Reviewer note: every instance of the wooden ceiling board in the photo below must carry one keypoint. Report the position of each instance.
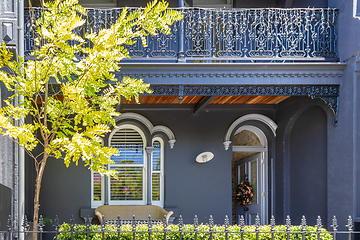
(217, 100)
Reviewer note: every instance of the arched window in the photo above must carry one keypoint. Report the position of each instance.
(131, 165)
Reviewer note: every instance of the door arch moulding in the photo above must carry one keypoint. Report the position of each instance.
(256, 117)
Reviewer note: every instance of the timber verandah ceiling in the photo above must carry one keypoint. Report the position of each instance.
(216, 100)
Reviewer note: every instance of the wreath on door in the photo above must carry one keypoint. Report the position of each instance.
(244, 193)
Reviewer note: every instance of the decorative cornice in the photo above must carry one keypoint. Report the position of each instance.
(245, 90)
(233, 75)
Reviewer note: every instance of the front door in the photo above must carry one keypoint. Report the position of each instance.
(252, 169)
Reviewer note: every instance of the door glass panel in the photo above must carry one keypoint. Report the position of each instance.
(253, 180)
(241, 173)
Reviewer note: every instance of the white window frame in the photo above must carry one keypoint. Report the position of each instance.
(94, 203)
(144, 165)
(160, 202)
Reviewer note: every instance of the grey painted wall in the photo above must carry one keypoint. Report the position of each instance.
(308, 167)
(205, 189)
(191, 188)
(343, 149)
(346, 135)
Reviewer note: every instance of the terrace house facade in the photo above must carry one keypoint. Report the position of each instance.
(266, 88)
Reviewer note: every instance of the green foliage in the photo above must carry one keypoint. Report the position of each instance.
(188, 232)
(69, 102)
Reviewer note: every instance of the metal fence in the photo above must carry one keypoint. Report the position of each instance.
(236, 35)
(160, 230)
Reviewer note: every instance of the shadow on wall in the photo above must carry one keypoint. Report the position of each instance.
(5, 206)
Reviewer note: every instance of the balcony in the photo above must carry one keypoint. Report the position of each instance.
(237, 35)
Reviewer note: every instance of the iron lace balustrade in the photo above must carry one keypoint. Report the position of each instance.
(235, 35)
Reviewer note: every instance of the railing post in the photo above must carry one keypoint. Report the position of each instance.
(272, 227)
(288, 227)
(350, 227)
(196, 223)
(181, 222)
(10, 227)
(276, 22)
(134, 227)
(226, 227)
(165, 227)
(211, 224)
(72, 227)
(242, 226)
(118, 227)
(257, 226)
(318, 226)
(303, 226)
(149, 227)
(334, 226)
(181, 54)
(307, 29)
(56, 226)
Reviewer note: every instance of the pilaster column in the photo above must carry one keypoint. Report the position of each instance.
(149, 151)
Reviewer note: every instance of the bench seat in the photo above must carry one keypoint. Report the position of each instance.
(126, 212)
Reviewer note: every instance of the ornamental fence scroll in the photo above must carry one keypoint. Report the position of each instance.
(159, 230)
(236, 35)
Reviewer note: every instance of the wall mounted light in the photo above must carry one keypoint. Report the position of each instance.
(204, 157)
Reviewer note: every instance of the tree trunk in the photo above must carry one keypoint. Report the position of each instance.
(37, 195)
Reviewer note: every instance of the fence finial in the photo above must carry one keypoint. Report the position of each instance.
(196, 221)
(288, 223)
(41, 224)
(303, 223)
(9, 223)
(350, 224)
(226, 222)
(149, 223)
(211, 221)
(257, 223)
(87, 221)
(334, 224)
(25, 224)
(103, 222)
(56, 223)
(272, 223)
(133, 222)
(181, 221)
(118, 223)
(242, 223)
(319, 224)
(165, 221)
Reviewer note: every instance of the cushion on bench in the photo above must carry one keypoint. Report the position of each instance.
(126, 212)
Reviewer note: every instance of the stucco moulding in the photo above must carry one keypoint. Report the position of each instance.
(232, 73)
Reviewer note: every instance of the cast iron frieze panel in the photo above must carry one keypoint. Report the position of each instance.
(328, 93)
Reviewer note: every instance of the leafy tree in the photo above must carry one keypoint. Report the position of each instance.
(69, 101)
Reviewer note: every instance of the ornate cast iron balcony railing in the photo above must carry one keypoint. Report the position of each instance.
(235, 35)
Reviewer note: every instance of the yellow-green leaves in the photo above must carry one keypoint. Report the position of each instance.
(23, 134)
(86, 145)
(68, 91)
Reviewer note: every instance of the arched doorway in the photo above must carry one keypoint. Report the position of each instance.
(250, 163)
